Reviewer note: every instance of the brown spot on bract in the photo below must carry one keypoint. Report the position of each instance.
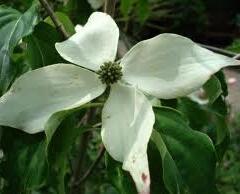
(144, 177)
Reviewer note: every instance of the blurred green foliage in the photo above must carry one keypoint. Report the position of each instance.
(235, 46)
(228, 172)
(202, 19)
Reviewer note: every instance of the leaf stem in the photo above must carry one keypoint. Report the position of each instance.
(54, 18)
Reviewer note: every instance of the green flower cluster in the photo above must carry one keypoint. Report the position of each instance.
(110, 73)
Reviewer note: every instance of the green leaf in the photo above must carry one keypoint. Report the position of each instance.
(57, 118)
(213, 116)
(208, 120)
(172, 103)
(126, 6)
(189, 152)
(220, 106)
(171, 175)
(59, 151)
(61, 134)
(143, 10)
(25, 166)
(222, 135)
(156, 170)
(213, 89)
(13, 27)
(78, 11)
(216, 90)
(41, 46)
(199, 119)
(120, 179)
(65, 20)
(221, 77)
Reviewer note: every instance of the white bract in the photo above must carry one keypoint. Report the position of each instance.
(166, 66)
(96, 4)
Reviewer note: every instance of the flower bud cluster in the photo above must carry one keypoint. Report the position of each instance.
(110, 73)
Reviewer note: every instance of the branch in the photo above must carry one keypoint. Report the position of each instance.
(54, 18)
(92, 167)
(82, 149)
(237, 57)
(109, 7)
(218, 50)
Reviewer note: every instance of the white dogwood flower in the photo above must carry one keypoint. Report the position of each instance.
(166, 66)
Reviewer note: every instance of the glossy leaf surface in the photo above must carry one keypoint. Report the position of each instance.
(192, 154)
(13, 27)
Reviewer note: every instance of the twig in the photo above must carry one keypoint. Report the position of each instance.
(84, 139)
(109, 7)
(92, 167)
(237, 56)
(218, 50)
(70, 164)
(54, 18)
